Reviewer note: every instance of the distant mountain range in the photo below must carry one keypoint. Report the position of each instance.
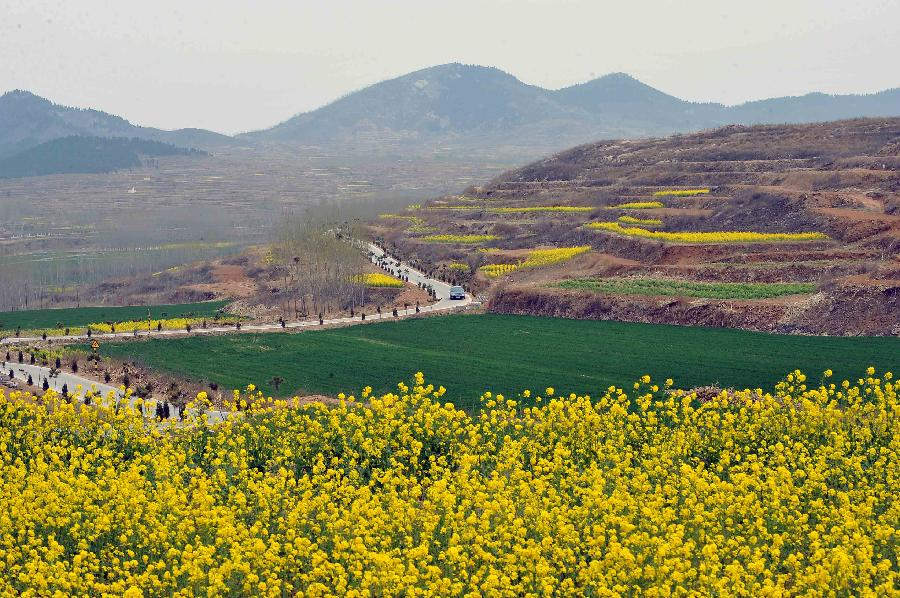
(39, 137)
(474, 107)
(472, 112)
(27, 120)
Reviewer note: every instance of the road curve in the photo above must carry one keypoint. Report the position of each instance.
(39, 373)
(442, 291)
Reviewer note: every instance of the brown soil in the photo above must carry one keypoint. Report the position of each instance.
(860, 215)
(839, 178)
(230, 281)
(410, 294)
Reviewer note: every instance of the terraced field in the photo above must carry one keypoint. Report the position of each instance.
(811, 207)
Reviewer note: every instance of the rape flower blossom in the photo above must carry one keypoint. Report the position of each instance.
(656, 492)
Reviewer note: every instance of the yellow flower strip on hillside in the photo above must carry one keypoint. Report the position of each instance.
(536, 259)
(496, 270)
(377, 279)
(647, 490)
(680, 192)
(637, 205)
(644, 221)
(708, 237)
(467, 239)
(458, 266)
(546, 257)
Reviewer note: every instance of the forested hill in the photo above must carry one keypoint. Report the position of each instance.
(27, 120)
(79, 154)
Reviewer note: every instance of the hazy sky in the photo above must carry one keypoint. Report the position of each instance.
(234, 66)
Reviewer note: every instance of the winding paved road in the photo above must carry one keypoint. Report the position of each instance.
(442, 290)
(38, 373)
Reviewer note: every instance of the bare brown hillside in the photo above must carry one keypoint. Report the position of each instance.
(780, 227)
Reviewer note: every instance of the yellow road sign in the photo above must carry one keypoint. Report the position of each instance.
(95, 344)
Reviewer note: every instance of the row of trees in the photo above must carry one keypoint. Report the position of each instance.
(320, 265)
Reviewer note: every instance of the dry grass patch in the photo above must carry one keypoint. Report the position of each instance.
(464, 239)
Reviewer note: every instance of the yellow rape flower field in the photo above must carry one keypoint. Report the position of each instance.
(546, 257)
(536, 258)
(139, 325)
(707, 237)
(497, 270)
(642, 491)
(377, 279)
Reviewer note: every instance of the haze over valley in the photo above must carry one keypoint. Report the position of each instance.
(427, 133)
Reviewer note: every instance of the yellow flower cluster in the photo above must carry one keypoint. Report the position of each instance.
(644, 221)
(637, 205)
(708, 237)
(458, 266)
(141, 325)
(459, 238)
(680, 192)
(497, 270)
(546, 257)
(536, 258)
(646, 492)
(377, 279)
